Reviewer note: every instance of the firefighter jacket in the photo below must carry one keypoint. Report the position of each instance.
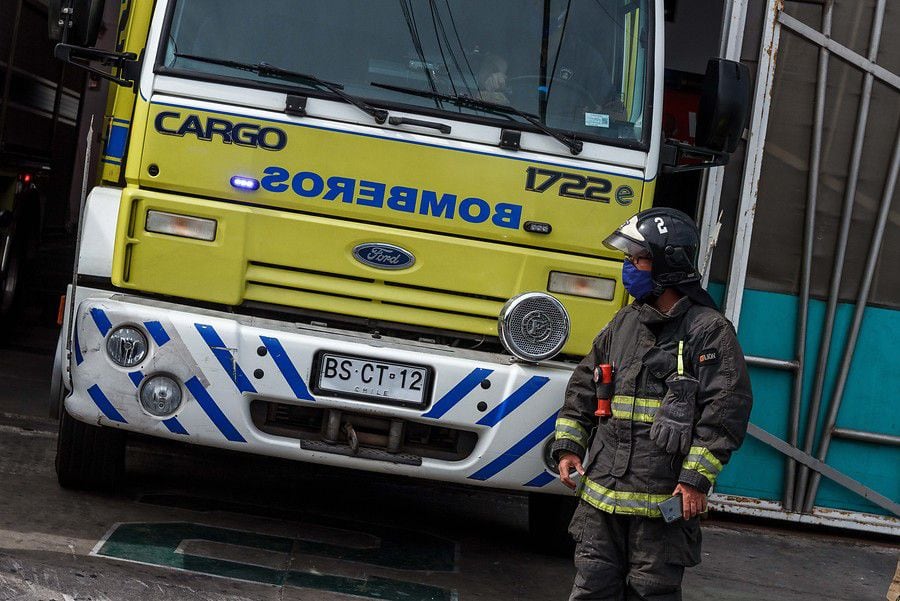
(625, 471)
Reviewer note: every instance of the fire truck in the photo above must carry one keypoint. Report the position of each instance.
(360, 234)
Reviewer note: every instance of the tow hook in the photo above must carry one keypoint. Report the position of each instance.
(352, 438)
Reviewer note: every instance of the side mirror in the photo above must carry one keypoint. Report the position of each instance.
(724, 105)
(723, 114)
(126, 66)
(75, 22)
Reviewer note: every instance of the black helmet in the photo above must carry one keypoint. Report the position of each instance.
(668, 237)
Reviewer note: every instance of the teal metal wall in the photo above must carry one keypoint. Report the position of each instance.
(871, 399)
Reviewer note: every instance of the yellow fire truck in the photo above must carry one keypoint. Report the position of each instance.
(360, 234)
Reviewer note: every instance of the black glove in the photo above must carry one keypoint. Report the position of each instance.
(673, 423)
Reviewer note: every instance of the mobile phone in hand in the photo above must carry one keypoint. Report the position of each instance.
(671, 509)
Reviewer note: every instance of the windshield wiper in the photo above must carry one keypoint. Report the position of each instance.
(267, 70)
(574, 145)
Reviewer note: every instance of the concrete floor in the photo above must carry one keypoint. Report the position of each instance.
(283, 530)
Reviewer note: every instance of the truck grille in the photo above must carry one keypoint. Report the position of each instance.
(373, 299)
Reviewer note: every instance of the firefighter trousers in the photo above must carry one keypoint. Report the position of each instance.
(630, 558)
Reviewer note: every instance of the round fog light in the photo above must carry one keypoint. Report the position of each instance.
(160, 395)
(127, 346)
(534, 326)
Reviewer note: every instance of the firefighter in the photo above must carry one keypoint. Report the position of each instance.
(680, 405)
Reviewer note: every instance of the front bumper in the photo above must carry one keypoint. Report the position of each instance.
(220, 360)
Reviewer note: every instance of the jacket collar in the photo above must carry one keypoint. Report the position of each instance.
(648, 314)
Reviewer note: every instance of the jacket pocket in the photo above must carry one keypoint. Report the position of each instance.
(683, 541)
(662, 467)
(601, 458)
(594, 451)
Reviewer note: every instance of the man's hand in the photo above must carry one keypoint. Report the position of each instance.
(567, 463)
(693, 502)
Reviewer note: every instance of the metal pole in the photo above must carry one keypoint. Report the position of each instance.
(765, 78)
(838, 269)
(771, 363)
(859, 312)
(868, 65)
(861, 436)
(731, 45)
(828, 471)
(809, 233)
(7, 79)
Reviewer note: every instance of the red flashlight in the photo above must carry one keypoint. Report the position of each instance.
(603, 375)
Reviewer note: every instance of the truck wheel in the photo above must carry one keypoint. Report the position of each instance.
(57, 379)
(548, 523)
(89, 457)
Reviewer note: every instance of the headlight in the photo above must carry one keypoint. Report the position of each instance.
(534, 326)
(127, 346)
(182, 226)
(581, 285)
(160, 395)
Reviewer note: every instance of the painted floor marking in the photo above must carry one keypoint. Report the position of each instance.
(162, 545)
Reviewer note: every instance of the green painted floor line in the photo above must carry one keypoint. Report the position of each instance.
(374, 587)
(158, 544)
(400, 549)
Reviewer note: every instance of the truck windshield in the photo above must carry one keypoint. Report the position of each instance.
(579, 66)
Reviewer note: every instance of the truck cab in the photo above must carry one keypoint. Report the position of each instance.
(361, 234)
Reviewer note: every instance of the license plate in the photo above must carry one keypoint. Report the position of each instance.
(370, 380)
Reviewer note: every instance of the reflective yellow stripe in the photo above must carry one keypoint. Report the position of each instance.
(629, 400)
(646, 418)
(618, 501)
(706, 454)
(601, 505)
(569, 429)
(635, 408)
(702, 461)
(656, 403)
(701, 469)
(571, 423)
(681, 357)
(572, 437)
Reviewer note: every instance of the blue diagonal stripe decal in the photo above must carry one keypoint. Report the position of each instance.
(105, 405)
(78, 358)
(542, 479)
(212, 410)
(294, 380)
(174, 426)
(513, 401)
(102, 321)
(531, 440)
(223, 354)
(157, 331)
(458, 393)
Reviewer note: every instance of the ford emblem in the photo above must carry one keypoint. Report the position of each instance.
(384, 256)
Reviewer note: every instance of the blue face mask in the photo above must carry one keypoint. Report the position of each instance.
(639, 284)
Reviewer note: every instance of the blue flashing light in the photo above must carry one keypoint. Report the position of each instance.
(245, 183)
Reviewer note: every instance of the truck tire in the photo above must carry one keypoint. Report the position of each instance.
(57, 379)
(548, 523)
(89, 457)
